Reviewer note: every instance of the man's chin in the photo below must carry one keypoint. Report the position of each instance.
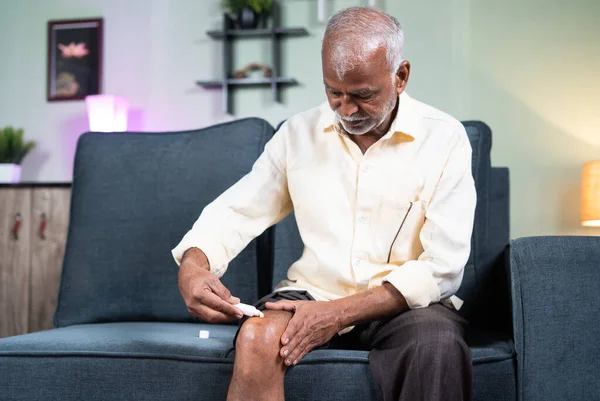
(359, 128)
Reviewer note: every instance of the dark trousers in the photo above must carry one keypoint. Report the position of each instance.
(417, 355)
(420, 354)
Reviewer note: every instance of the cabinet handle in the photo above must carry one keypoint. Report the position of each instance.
(43, 223)
(16, 226)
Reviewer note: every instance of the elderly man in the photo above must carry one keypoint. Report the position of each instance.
(384, 198)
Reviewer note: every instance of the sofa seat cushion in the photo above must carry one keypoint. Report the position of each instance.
(494, 365)
(150, 360)
(130, 339)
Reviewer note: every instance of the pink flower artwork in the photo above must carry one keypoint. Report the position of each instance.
(78, 50)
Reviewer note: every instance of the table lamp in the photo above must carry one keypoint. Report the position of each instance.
(107, 113)
(590, 194)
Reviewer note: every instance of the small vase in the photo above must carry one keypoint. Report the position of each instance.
(10, 173)
(247, 18)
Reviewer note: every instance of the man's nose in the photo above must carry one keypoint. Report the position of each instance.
(347, 107)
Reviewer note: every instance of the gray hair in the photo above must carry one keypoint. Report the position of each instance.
(355, 32)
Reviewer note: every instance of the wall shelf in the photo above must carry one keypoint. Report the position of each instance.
(257, 33)
(229, 34)
(248, 82)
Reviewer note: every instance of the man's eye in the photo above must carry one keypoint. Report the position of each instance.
(335, 93)
(365, 97)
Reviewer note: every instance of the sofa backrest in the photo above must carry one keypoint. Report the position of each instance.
(134, 196)
(485, 242)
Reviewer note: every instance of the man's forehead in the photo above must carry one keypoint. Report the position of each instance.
(357, 76)
(351, 82)
(357, 59)
(353, 45)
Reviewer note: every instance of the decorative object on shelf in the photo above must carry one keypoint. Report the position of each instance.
(74, 59)
(247, 18)
(247, 14)
(243, 73)
(321, 11)
(107, 113)
(590, 194)
(229, 34)
(12, 151)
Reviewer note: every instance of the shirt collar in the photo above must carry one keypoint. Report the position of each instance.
(404, 127)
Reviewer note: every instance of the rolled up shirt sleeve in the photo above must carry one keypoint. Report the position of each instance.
(445, 235)
(241, 213)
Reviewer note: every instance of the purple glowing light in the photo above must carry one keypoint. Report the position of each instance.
(107, 113)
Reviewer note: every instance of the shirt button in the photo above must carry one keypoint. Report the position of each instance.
(365, 169)
(363, 219)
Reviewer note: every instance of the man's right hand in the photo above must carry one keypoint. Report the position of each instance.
(204, 294)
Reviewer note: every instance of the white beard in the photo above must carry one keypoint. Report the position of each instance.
(362, 130)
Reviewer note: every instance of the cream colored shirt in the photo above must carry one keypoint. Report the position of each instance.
(401, 213)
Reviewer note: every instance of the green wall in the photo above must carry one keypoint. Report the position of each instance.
(526, 68)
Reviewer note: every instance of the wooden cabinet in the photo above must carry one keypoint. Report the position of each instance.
(33, 230)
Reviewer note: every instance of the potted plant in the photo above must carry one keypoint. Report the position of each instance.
(12, 151)
(247, 13)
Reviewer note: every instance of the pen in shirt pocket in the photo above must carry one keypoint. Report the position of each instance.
(398, 232)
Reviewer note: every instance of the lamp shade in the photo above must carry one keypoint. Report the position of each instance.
(590, 194)
(106, 113)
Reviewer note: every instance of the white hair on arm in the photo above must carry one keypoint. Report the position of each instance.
(355, 32)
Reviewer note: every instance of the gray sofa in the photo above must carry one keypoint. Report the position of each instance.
(124, 333)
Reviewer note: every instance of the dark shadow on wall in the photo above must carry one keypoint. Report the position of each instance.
(33, 163)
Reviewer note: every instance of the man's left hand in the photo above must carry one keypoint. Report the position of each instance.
(313, 324)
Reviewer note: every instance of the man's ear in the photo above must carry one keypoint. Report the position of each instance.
(402, 75)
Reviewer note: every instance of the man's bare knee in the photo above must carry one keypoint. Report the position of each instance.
(258, 367)
(260, 338)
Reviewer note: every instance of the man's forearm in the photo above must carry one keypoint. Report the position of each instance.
(197, 256)
(375, 304)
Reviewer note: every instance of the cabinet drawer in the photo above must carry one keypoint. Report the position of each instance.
(15, 260)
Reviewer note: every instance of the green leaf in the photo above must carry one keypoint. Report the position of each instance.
(3, 147)
(233, 6)
(260, 6)
(10, 138)
(17, 141)
(26, 149)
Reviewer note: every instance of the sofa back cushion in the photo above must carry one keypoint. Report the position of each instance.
(134, 196)
(478, 266)
(288, 243)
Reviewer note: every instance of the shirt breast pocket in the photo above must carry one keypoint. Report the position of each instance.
(406, 244)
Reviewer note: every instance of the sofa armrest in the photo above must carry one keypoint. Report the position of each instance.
(555, 284)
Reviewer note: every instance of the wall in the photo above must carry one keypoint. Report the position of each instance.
(526, 68)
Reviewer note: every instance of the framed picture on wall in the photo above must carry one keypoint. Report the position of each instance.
(74, 59)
